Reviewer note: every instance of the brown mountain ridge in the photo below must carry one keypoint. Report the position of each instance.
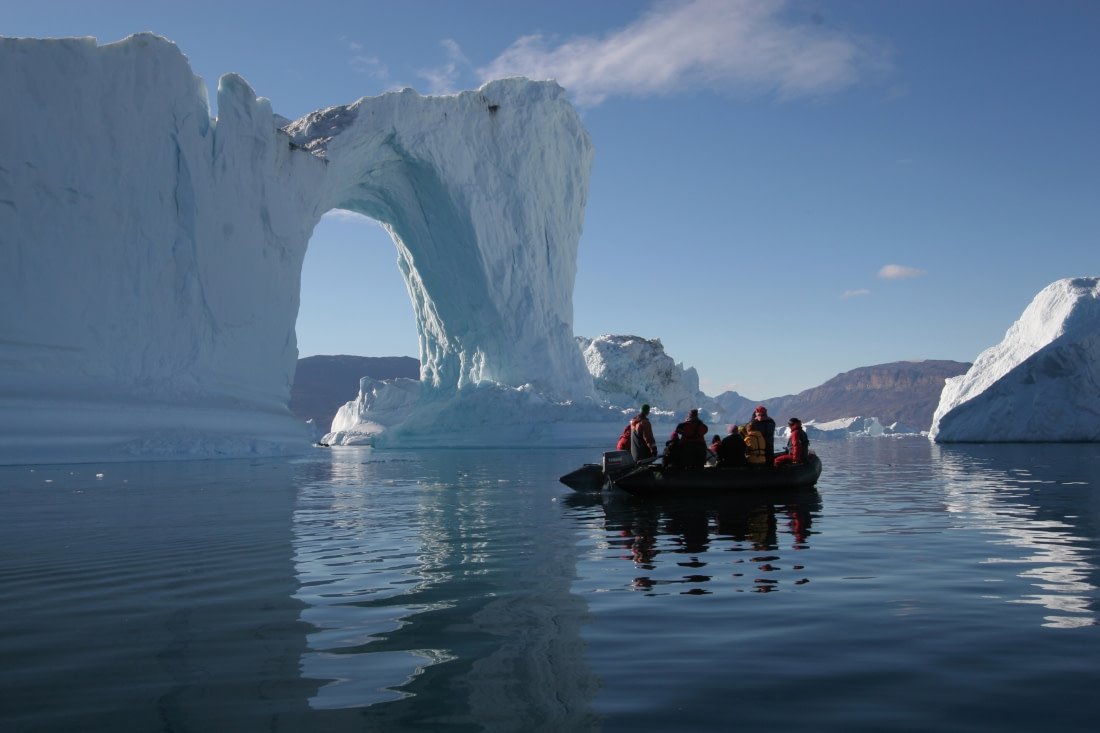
(904, 392)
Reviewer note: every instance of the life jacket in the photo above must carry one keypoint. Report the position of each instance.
(755, 450)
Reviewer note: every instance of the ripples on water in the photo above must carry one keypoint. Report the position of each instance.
(919, 587)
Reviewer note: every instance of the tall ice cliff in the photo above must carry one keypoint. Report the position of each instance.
(1040, 384)
(150, 256)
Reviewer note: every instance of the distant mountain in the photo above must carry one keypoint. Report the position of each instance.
(322, 384)
(902, 391)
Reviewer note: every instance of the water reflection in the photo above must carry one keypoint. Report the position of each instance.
(693, 546)
(1039, 503)
(470, 591)
(440, 587)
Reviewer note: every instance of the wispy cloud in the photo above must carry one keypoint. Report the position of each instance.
(719, 45)
(854, 293)
(370, 65)
(444, 79)
(896, 272)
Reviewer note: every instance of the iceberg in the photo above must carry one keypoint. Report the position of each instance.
(381, 404)
(150, 256)
(839, 429)
(626, 372)
(850, 427)
(629, 371)
(1040, 384)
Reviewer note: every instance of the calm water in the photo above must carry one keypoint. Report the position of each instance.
(919, 588)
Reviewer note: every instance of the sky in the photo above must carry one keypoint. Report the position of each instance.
(782, 190)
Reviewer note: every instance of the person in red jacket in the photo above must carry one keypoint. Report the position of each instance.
(798, 445)
(693, 442)
(624, 439)
(642, 443)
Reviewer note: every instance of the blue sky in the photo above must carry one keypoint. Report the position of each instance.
(782, 191)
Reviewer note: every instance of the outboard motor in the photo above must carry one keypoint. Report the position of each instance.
(617, 462)
(595, 476)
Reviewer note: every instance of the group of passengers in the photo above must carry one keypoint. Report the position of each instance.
(751, 444)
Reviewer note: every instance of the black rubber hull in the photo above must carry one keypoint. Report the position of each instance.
(589, 477)
(658, 481)
(597, 476)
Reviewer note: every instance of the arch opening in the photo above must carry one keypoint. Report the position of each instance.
(353, 297)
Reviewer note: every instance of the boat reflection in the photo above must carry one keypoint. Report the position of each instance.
(698, 545)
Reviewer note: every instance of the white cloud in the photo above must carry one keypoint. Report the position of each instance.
(854, 293)
(343, 215)
(895, 272)
(370, 65)
(444, 79)
(720, 45)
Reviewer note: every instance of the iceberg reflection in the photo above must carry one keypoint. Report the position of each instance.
(1028, 496)
(440, 587)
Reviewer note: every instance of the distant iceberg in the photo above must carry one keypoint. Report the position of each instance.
(1040, 384)
(626, 372)
(854, 427)
(380, 404)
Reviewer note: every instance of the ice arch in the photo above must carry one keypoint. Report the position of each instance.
(150, 256)
(483, 194)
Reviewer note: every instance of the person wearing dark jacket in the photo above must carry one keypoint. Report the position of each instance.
(731, 451)
(671, 456)
(766, 426)
(693, 442)
(798, 445)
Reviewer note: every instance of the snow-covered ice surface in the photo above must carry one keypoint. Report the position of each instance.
(150, 257)
(1041, 383)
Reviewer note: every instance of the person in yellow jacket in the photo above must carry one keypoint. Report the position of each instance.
(755, 448)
